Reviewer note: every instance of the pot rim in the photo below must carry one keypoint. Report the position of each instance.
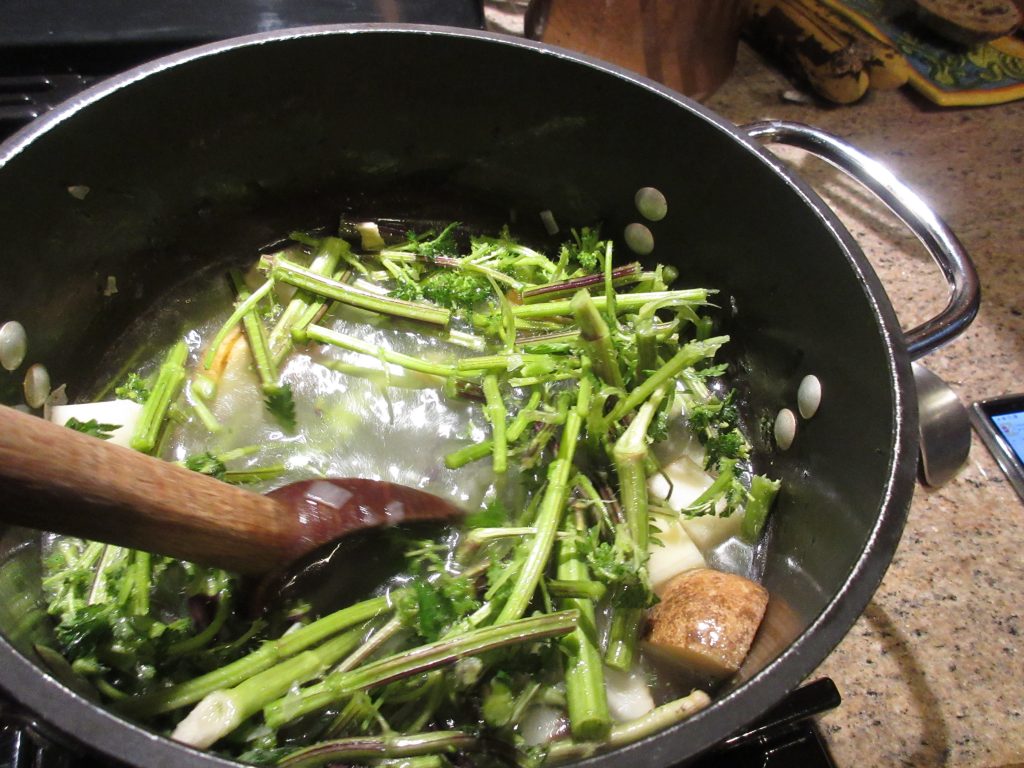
(101, 729)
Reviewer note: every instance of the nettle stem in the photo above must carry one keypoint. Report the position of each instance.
(654, 721)
(407, 663)
(624, 275)
(325, 262)
(515, 430)
(293, 274)
(494, 409)
(221, 712)
(385, 747)
(596, 338)
(268, 654)
(589, 717)
(629, 455)
(687, 357)
(628, 301)
(256, 335)
(353, 344)
(551, 509)
(168, 383)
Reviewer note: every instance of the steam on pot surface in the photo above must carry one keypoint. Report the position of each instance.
(569, 399)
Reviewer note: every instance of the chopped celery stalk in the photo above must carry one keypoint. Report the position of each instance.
(759, 504)
(165, 390)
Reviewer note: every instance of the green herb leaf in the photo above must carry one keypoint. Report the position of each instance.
(436, 598)
(206, 464)
(456, 289)
(587, 248)
(725, 445)
(621, 571)
(92, 427)
(406, 290)
(134, 388)
(281, 404)
(443, 244)
(493, 515)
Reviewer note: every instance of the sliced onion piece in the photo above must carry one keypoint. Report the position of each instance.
(122, 414)
(369, 236)
(542, 724)
(629, 697)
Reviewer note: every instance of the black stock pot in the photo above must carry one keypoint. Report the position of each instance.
(238, 141)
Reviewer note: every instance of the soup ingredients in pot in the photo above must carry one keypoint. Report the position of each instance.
(572, 406)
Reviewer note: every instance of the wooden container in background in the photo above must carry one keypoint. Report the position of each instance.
(689, 45)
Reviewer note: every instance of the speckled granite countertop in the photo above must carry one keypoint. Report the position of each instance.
(933, 672)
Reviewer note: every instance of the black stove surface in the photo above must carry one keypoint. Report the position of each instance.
(786, 736)
(55, 23)
(51, 49)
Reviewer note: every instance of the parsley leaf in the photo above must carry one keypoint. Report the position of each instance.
(621, 571)
(494, 515)
(725, 445)
(206, 464)
(406, 290)
(92, 427)
(456, 289)
(587, 248)
(443, 244)
(134, 388)
(436, 598)
(282, 405)
(432, 605)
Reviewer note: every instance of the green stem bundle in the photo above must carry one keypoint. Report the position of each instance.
(325, 261)
(589, 717)
(551, 509)
(423, 658)
(221, 712)
(265, 657)
(292, 274)
(385, 747)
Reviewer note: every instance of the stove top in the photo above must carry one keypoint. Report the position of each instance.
(786, 736)
(51, 49)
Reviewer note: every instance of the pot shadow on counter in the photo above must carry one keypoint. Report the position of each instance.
(887, 700)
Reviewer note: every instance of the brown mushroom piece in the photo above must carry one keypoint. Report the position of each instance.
(707, 620)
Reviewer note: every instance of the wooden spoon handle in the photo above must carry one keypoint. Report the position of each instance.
(55, 479)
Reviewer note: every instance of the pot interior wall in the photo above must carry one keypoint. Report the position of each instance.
(220, 154)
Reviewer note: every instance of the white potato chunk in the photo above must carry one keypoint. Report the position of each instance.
(123, 413)
(708, 531)
(679, 483)
(688, 481)
(707, 620)
(678, 554)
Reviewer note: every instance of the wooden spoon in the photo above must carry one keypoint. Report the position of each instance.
(56, 479)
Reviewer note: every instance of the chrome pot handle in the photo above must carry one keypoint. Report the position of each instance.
(938, 240)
